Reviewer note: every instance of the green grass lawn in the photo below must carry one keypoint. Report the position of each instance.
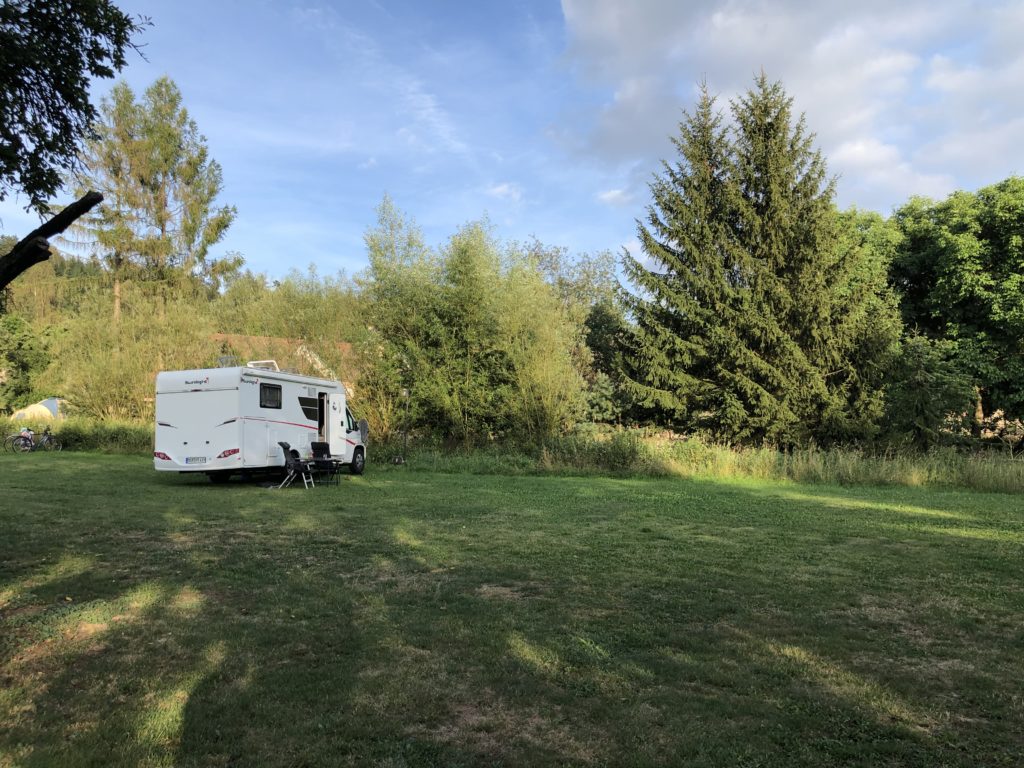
(408, 619)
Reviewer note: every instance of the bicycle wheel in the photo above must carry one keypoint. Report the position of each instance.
(9, 442)
(53, 444)
(22, 444)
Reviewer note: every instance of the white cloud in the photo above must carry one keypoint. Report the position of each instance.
(428, 116)
(615, 197)
(909, 97)
(990, 90)
(870, 164)
(362, 63)
(632, 247)
(506, 190)
(987, 149)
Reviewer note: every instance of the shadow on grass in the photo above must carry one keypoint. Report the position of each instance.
(504, 621)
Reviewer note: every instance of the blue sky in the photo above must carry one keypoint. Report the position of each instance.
(550, 118)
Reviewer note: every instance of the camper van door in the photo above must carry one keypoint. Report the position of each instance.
(337, 438)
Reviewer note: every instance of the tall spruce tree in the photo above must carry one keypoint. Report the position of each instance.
(761, 320)
(675, 342)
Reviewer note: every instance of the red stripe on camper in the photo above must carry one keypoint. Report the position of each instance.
(274, 421)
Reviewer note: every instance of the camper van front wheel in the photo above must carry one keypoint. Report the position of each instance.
(358, 462)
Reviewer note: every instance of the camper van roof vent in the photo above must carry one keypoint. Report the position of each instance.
(266, 365)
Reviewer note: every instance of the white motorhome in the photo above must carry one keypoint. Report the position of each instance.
(224, 421)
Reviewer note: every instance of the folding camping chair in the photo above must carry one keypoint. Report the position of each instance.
(324, 465)
(295, 467)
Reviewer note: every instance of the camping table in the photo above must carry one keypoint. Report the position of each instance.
(325, 467)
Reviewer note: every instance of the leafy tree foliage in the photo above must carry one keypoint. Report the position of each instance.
(474, 334)
(868, 322)
(51, 49)
(605, 327)
(959, 272)
(52, 292)
(106, 370)
(159, 216)
(22, 356)
(398, 287)
(928, 389)
(320, 309)
(544, 343)
(588, 289)
(758, 316)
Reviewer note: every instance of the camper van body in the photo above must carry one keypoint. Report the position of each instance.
(223, 421)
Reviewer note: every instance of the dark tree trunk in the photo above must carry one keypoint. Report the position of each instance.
(979, 414)
(34, 248)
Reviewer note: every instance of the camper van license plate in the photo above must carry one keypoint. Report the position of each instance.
(195, 459)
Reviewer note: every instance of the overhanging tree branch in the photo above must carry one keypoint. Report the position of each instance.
(35, 248)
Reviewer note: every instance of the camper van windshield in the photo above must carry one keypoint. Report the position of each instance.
(270, 396)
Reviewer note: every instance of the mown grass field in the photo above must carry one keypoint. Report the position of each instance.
(410, 619)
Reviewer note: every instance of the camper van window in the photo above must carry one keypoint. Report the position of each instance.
(270, 396)
(351, 425)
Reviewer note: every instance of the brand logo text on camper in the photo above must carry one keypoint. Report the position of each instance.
(199, 381)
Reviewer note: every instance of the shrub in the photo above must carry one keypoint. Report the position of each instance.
(80, 434)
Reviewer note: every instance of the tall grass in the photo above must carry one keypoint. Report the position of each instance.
(83, 434)
(981, 471)
(634, 453)
(631, 452)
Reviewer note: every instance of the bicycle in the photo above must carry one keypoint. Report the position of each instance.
(9, 442)
(25, 442)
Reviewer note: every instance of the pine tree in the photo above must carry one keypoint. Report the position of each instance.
(785, 227)
(158, 218)
(672, 346)
(758, 328)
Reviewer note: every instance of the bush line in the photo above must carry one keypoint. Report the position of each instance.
(80, 434)
(636, 453)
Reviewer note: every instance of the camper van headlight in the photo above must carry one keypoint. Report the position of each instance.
(228, 452)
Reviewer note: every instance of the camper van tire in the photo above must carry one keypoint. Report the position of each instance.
(218, 477)
(358, 462)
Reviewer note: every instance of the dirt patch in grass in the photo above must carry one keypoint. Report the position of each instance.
(487, 725)
(900, 617)
(21, 613)
(179, 540)
(85, 630)
(512, 592)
